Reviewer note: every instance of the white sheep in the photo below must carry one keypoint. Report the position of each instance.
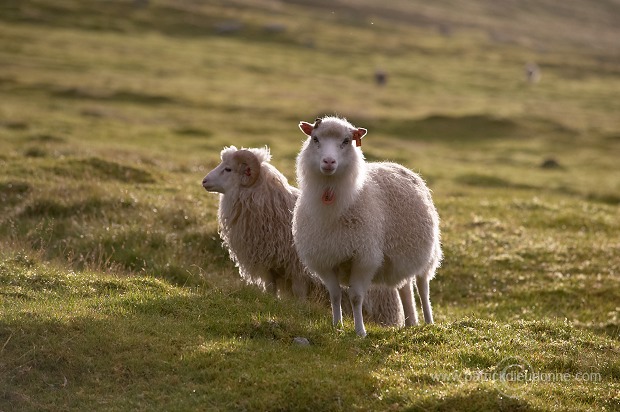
(254, 219)
(255, 222)
(357, 223)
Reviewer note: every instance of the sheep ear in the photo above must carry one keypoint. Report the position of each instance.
(306, 127)
(249, 167)
(358, 135)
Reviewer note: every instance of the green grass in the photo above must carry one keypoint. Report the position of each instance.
(116, 294)
(83, 340)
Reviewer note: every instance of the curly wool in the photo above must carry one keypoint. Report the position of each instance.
(254, 224)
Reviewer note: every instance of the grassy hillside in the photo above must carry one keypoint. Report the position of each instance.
(115, 292)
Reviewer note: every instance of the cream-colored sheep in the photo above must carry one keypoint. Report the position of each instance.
(254, 218)
(357, 223)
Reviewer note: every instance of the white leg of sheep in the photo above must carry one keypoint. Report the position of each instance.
(362, 273)
(422, 284)
(406, 297)
(335, 296)
(356, 296)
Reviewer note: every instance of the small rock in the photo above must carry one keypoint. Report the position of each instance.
(275, 28)
(228, 27)
(550, 163)
(301, 341)
(381, 77)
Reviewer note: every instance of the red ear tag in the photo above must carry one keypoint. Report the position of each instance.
(328, 196)
(358, 141)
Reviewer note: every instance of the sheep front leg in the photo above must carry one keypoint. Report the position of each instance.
(335, 296)
(406, 298)
(361, 278)
(356, 296)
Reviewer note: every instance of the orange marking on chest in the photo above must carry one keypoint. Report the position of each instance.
(328, 196)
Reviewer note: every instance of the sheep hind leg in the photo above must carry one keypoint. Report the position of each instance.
(422, 284)
(272, 283)
(406, 298)
(300, 287)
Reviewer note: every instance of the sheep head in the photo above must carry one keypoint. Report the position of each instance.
(239, 168)
(356, 133)
(329, 143)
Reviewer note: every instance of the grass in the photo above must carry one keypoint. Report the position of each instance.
(91, 341)
(115, 292)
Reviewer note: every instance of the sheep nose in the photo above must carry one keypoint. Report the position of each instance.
(204, 181)
(329, 161)
(328, 165)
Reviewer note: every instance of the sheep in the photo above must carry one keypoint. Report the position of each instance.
(255, 222)
(532, 73)
(381, 77)
(357, 223)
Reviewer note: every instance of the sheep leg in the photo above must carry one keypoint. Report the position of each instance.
(406, 298)
(356, 296)
(300, 287)
(271, 285)
(423, 290)
(335, 297)
(360, 280)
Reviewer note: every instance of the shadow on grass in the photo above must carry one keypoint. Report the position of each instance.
(448, 128)
(118, 96)
(480, 400)
(95, 167)
(13, 192)
(466, 129)
(93, 233)
(488, 181)
(494, 182)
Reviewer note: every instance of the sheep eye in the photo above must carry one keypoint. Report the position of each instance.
(346, 142)
(228, 169)
(315, 139)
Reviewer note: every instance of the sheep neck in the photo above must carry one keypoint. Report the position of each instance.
(337, 194)
(333, 194)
